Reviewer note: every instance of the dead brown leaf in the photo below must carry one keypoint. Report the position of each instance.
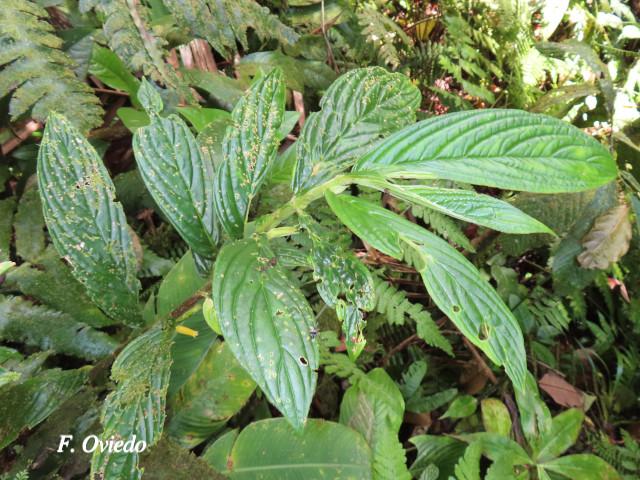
(561, 391)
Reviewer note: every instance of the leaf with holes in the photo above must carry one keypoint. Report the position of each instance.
(137, 405)
(267, 323)
(358, 109)
(508, 149)
(179, 179)
(87, 225)
(344, 283)
(453, 283)
(249, 147)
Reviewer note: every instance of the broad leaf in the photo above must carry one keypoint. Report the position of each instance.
(216, 391)
(179, 180)
(438, 450)
(463, 406)
(495, 417)
(344, 283)
(562, 434)
(495, 446)
(137, 405)
(471, 207)
(29, 223)
(608, 240)
(87, 225)
(250, 146)
(38, 326)
(508, 149)
(26, 404)
(108, 67)
(267, 323)
(358, 109)
(453, 283)
(272, 450)
(374, 407)
(583, 466)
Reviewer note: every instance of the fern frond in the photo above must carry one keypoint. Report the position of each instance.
(125, 27)
(383, 34)
(393, 303)
(443, 225)
(549, 310)
(38, 72)
(223, 23)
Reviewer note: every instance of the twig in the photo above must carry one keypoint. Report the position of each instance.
(401, 346)
(481, 363)
(21, 135)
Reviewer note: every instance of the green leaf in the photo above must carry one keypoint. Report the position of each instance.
(453, 283)
(201, 117)
(215, 392)
(495, 417)
(438, 450)
(344, 283)
(225, 91)
(284, 454)
(29, 223)
(562, 434)
(508, 149)
(583, 466)
(374, 406)
(267, 323)
(26, 404)
(429, 403)
(137, 406)
(179, 179)
(133, 119)
(149, 97)
(7, 206)
(38, 326)
(87, 225)
(50, 281)
(358, 109)
(6, 266)
(249, 147)
(219, 451)
(468, 467)
(471, 207)
(496, 446)
(463, 406)
(109, 69)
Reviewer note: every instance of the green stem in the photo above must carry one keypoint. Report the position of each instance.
(272, 220)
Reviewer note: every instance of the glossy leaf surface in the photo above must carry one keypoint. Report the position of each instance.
(266, 322)
(249, 147)
(453, 283)
(87, 225)
(358, 109)
(508, 149)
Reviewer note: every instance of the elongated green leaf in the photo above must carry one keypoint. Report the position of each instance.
(29, 223)
(272, 450)
(495, 417)
(344, 283)
(583, 466)
(38, 326)
(26, 404)
(108, 67)
(137, 406)
(562, 434)
(267, 324)
(86, 223)
(496, 446)
(358, 109)
(461, 407)
(179, 179)
(51, 282)
(213, 394)
(374, 407)
(250, 146)
(438, 450)
(471, 207)
(507, 149)
(453, 283)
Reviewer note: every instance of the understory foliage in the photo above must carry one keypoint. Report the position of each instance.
(319, 239)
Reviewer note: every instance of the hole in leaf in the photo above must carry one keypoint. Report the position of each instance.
(303, 361)
(456, 309)
(484, 332)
